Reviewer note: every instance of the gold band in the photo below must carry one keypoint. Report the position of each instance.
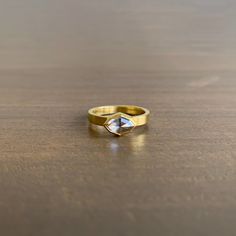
(129, 116)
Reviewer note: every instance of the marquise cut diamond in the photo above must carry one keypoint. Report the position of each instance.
(120, 125)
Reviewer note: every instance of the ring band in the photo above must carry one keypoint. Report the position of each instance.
(119, 119)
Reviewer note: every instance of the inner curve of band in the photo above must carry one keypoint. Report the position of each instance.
(108, 110)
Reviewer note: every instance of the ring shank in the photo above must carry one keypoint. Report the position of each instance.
(99, 115)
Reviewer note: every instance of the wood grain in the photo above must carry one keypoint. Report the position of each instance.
(60, 177)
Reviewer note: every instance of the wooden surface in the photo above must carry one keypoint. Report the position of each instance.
(59, 177)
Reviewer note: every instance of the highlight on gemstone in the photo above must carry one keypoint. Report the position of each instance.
(120, 125)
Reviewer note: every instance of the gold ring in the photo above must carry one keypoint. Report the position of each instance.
(119, 119)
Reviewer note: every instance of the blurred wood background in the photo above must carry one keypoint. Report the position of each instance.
(59, 58)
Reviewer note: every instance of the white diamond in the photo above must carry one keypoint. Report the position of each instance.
(120, 125)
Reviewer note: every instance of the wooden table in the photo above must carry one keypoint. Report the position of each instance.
(59, 177)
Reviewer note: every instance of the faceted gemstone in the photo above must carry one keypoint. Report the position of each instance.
(120, 125)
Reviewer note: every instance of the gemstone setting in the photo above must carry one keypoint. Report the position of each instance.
(119, 124)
